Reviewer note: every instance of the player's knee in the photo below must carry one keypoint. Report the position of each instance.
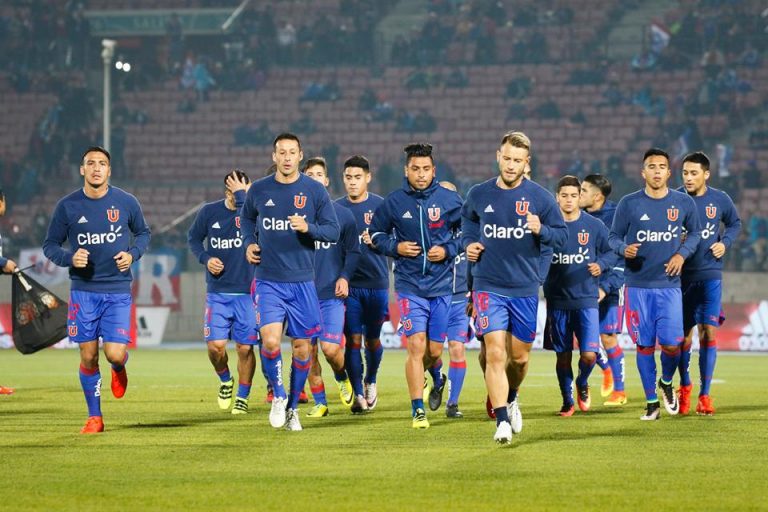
(589, 357)
(707, 334)
(495, 355)
(89, 359)
(609, 341)
(456, 351)
(671, 350)
(244, 351)
(331, 350)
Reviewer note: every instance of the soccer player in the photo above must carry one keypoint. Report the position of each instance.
(457, 335)
(417, 226)
(595, 190)
(647, 231)
(571, 290)
(283, 215)
(8, 266)
(99, 221)
(229, 309)
(702, 278)
(334, 264)
(505, 222)
(368, 300)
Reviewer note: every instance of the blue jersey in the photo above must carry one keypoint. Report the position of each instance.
(104, 227)
(459, 282)
(658, 225)
(3, 261)
(511, 264)
(286, 255)
(219, 228)
(429, 217)
(569, 285)
(714, 208)
(337, 259)
(611, 280)
(371, 271)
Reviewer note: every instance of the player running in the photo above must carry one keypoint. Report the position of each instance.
(505, 221)
(229, 309)
(368, 300)
(647, 231)
(334, 264)
(417, 226)
(283, 215)
(572, 293)
(107, 232)
(702, 278)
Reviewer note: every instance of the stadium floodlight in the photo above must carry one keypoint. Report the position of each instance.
(107, 54)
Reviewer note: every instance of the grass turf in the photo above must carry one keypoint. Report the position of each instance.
(167, 446)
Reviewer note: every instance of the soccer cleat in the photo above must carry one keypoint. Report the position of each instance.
(94, 425)
(452, 411)
(241, 406)
(436, 394)
(607, 386)
(292, 423)
(346, 393)
(489, 408)
(6, 391)
(371, 395)
(616, 399)
(669, 397)
(420, 419)
(360, 406)
(318, 411)
(303, 398)
(704, 407)
(225, 393)
(684, 398)
(277, 413)
(270, 396)
(119, 383)
(503, 433)
(515, 416)
(583, 398)
(566, 410)
(652, 411)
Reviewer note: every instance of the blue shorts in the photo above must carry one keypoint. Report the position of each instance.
(654, 314)
(418, 314)
(458, 322)
(94, 315)
(516, 315)
(367, 310)
(563, 324)
(295, 304)
(332, 321)
(611, 316)
(702, 304)
(230, 316)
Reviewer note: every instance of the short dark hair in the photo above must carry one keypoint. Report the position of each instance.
(418, 149)
(98, 149)
(315, 160)
(286, 136)
(698, 157)
(568, 181)
(655, 152)
(357, 161)
(238, 174)
(601, 183)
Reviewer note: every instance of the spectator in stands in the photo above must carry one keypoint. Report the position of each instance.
(519, 88)
(286, 42)
(203, 80)
(424, 122)
(304, 125)
(750, 57)
(548, 109)
(404, 121)
(612, 96)
(187, 105)
(367, 100)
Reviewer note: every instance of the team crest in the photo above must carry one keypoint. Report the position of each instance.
(711, 212)
(237, 222)
(483, 322)
(434, 214)
(300, 201)
(672, 214)
(72, 331)
(368, 217)
(206, 331)
(521, 207)
(407, 324)
(583, 238)
(113, 214)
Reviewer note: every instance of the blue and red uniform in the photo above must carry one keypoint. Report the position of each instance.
(703, 276)
(653, 300)
(285, 288)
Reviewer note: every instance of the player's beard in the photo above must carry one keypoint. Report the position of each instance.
(515, 181)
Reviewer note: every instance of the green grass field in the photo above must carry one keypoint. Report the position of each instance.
(167, 446)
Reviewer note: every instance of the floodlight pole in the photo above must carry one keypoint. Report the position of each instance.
(107, 53)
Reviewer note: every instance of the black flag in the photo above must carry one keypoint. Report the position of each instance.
(39, 316)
